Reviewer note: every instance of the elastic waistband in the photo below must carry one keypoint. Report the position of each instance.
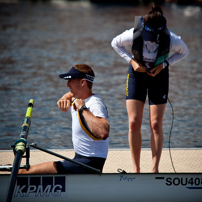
(88, 157)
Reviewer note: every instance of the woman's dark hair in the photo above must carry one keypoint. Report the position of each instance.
(155, 17)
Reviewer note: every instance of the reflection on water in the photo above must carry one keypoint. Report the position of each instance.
(40, 41)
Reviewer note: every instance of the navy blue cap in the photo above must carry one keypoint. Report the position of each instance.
(148, 36)
(150, 33)
(73, 73)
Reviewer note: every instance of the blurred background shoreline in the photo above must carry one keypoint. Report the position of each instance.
(134, 2)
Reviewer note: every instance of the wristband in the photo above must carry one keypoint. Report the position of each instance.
(165, 64)
(83, 108)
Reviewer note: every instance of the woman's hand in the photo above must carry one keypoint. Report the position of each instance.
(137, 66)
(156, 70)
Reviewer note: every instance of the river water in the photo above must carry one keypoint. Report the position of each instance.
(39, 41)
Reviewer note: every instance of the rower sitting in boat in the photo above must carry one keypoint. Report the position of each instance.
(90, 126)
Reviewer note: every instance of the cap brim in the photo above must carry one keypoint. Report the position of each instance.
(148, 36)
(67, 76)
(72, 74)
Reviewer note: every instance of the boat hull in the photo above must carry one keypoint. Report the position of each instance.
(105, 187)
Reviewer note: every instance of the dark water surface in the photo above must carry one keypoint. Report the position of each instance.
(40, 41)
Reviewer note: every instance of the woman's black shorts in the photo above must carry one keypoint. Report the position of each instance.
(139, 84)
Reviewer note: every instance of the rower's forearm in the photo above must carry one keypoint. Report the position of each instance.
(98, 126)
(67, 96)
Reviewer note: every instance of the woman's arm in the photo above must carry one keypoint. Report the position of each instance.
(121, 41)
(179, 48)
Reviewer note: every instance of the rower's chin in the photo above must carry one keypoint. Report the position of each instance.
(72, 93)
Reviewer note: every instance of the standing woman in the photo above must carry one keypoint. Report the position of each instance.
(151, 42)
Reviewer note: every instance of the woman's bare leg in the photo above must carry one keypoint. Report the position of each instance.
(135, 114)
(156, 125)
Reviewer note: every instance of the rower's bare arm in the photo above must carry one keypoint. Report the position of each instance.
(99, 126)
(64, 102)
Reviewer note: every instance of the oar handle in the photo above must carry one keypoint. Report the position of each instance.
(20, 144)
(29, 109)
(27, 120)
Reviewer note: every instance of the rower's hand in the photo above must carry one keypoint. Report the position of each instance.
(64, 104)
(137, 66)
(78, 104)
(156, 70)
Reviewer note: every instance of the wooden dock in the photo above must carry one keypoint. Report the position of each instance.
(184, 160)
